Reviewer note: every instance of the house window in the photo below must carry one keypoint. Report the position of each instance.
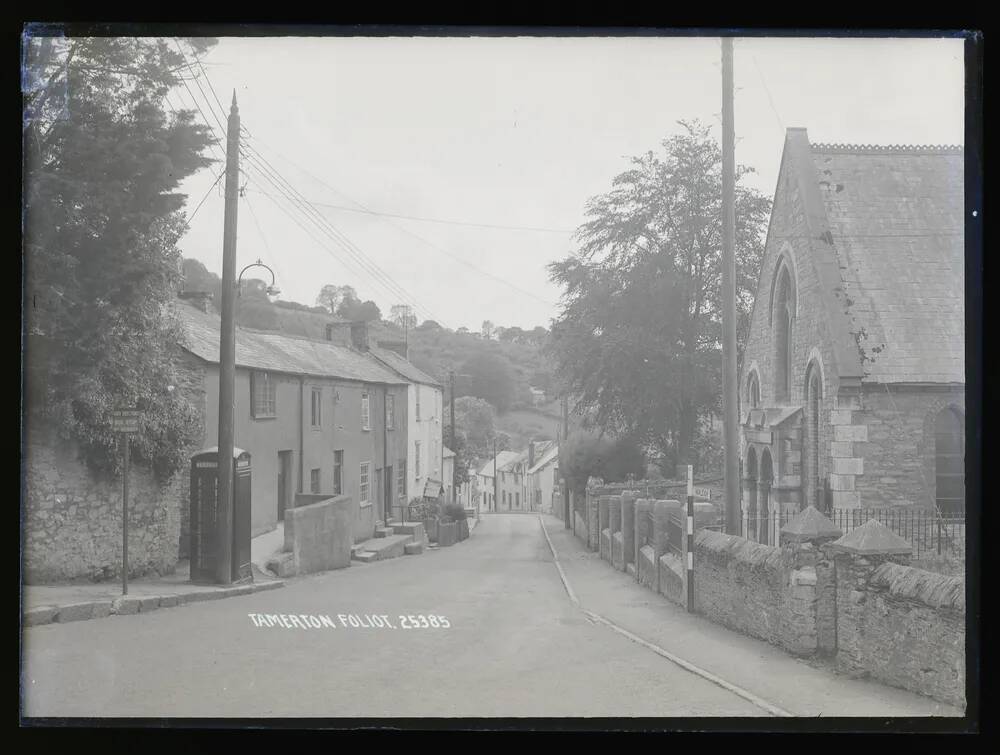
(949, 463)
(390, 412)
(317, 407)
(416, 445)
(782, 321)
(364, 487)
(314, 480)
(338, 472)
(401, 478)
(263, 393)
(365, 412)
(517, 500)
(417, 390)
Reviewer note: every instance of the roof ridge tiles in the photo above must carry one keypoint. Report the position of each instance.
(885, 148)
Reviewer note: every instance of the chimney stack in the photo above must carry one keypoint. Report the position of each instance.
(359, 335)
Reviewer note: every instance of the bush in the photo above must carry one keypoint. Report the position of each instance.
(421, 509)
(453, 512)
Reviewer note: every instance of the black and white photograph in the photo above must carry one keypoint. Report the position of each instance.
(428, 374)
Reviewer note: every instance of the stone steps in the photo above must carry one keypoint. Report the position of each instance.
(382, 548)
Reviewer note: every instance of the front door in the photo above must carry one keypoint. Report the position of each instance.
(387, 494)
(284, 478)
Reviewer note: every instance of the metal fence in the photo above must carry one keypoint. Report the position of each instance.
(927, 531)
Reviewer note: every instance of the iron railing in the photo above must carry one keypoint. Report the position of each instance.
(928, 531)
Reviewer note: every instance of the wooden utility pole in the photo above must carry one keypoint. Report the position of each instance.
(567, 514)
(729, 379)
(227, 356)
(454, 443)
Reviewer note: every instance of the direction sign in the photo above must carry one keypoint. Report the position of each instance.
(125, 420)
(703, 493)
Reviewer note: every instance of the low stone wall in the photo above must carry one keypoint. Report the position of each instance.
(73, 521)
(320, 535)
(903, 626)
(646, 569)
(898, 624)
(628, 530)
(672, 578)
(617, 555)
(593, 530)
(756, 589)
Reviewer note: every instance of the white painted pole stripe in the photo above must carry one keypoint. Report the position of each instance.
(690, 525)
(690, 561)
(750, 697)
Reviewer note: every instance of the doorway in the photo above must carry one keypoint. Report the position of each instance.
(284, 482)
(387, 495)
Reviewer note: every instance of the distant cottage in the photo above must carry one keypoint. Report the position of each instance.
(852, 385)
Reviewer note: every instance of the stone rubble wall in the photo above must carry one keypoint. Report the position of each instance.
(73, 521)
(895, 623)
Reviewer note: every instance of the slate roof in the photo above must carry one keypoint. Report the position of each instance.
(895, 218)
(549, 455)
(281, 353)
(504, 460)
(403, 367)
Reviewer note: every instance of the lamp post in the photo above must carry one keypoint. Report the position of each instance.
(271, 290)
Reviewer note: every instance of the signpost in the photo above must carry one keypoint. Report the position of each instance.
(125, 422)
(690, 539)
(703, 494)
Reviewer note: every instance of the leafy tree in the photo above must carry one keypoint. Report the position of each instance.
(488, 377)
(475, 428)
(638, 341)
(402, 316)
(103, 161)
(487, 330)
(331, 296)
(196, 277)
(511, 335)
(585, 454)
(352, 308)
(430, 325)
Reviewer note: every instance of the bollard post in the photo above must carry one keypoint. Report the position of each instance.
(690, 539)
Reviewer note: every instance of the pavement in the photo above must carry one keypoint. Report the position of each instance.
(508, 642)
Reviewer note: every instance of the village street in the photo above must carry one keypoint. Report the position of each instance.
(516, 646)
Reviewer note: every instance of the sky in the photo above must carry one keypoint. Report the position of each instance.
(501, 141)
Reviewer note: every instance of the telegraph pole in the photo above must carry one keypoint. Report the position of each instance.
(567, 514)
(227, 355)
(729, 387)
(454, 466)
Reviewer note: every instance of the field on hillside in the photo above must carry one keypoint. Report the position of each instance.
(523, 425)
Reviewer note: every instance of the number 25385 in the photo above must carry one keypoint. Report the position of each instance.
(421, 621)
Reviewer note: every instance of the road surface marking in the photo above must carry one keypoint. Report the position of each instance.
(774, 710)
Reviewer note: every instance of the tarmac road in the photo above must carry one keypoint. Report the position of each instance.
(515, 646)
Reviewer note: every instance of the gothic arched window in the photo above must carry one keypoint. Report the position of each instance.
(781, 322)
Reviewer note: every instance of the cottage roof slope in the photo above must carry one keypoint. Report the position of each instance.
(278, 352)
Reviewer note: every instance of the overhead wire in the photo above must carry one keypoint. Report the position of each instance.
(408, 232)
